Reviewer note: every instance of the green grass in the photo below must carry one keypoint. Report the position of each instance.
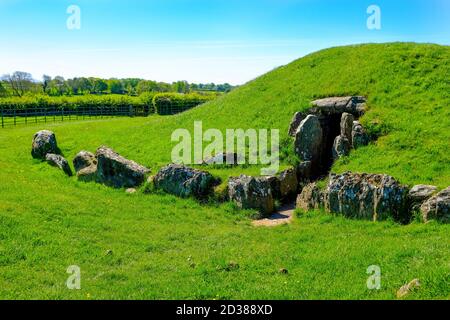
(164, 247)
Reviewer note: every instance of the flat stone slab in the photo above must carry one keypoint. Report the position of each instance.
(284, 215)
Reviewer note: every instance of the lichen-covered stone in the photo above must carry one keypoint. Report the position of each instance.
(288, 183)
(437, 207)
(83, 160)
(367, 196)
(44, 142)
(341, 147)
(59, 161)
(359, 135)
(251, 193)
(310, 198)
(419, 194)
(295, 123)
(118, 172)
(347, 126)
(183, 181)
(308, 139)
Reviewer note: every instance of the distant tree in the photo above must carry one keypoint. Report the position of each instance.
(115, 86)
(147, 86)
(181, 86)
(46, 82)
(100, 85)
(19, 81)
(3, 91)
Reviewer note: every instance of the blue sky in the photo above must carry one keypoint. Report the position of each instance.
(199, 40)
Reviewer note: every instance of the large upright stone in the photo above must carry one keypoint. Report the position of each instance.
(308, 139)
(116, 171)
(44, 142)
(437, 207)
(341, 147)
(310, 198)
(288, 183)
(251, 193)
(295, 123)
(184, 181)
(367, 196)
(347, 125)
(359, 135)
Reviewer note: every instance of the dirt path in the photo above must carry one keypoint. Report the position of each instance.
(282, 216)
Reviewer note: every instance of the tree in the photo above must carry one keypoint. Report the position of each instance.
(100, 86)
(3, 91)
(181, 86)
(115, 86)
(19, 81)
(46, 82)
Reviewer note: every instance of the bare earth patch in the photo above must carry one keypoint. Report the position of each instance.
(284, 215)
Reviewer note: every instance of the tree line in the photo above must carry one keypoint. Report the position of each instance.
(20, 83)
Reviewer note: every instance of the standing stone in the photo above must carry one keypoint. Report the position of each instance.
(251, 193)
(437, 207)
(58, 161)
(308, 139)
(367, 196)
(295, 123)
(359, 135)
(288, 183)
(419, 194)
(83, 160)
(347, 126)
(310, 198)
(184, 181)
(44, 142)
(118, 172)
(341, 147)
(304, 171)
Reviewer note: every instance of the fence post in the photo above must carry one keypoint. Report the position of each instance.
(62, 114)
(3, 123)
(26, 115)
(45, 114)
(14, 116)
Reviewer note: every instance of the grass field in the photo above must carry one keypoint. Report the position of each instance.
(164, 247)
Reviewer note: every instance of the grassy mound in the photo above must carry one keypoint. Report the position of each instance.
(164, 247)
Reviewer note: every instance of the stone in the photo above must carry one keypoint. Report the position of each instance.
(437, 207)
(304, 171)
(251, 193)
(130, 190)
(347, 125)
(44, 142)
(183, 181)
(407, 288)
(359, 135)
(118, 172)
(355, 105)
(419, 194)
(310, 198)
(223, 158)
(295, 123)
(367, 196)
(274, 183)
(308, 139)
(288, 184)
(88, 174)
(59, 161)
(341, 147)
(83, 160)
